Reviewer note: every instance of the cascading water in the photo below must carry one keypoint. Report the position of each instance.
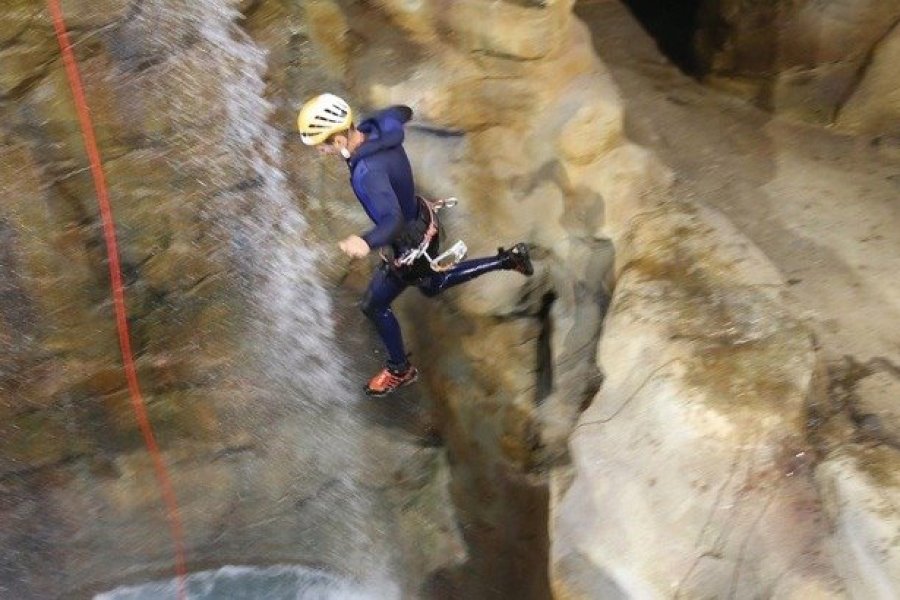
(235, 583)
(288, 364)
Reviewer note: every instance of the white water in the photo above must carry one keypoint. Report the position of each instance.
(236, 152)
(209, 94)
(250, 583)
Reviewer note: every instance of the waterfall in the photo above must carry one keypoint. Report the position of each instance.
(232, 583)
(199, 77)
(211, 89)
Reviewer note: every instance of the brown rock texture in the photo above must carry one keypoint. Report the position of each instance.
(819, 61)
(631, 421)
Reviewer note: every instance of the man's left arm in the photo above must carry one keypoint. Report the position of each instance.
(385, 210)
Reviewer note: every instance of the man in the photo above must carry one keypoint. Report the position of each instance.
(382, 180)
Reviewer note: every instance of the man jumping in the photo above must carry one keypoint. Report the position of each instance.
(382, 179)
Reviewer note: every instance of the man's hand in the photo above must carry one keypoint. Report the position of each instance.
(354, 246)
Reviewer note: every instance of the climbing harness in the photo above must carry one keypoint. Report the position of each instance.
(449, 259)
(442, 262)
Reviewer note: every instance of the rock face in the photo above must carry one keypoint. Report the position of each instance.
(489, 129)
(693, 458)
(824, 62)
(874, 106)
(226, 304)
(861, 493)
(703, 365)
(692, 473)
(797, 447)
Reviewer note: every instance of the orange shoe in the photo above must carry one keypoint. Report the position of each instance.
(386, 381)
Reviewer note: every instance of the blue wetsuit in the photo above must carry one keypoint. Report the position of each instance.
(382, 180)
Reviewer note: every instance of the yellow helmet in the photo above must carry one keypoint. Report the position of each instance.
(321, 117)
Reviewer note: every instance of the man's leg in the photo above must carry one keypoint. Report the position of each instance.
(376, 304)
(516, 258)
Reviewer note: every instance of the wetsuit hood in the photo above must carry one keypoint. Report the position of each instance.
(383, 130)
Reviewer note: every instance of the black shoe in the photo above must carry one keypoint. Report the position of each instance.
(517, 259)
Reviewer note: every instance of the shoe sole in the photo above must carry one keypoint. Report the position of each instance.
(374, 394)
(528, 268)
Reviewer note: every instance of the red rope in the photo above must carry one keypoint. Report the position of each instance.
(118, 294)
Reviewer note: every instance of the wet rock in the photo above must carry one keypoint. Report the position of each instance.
(874, 107)
(527, 33)
(38, 439)
(875, 404)
(861, 493)
(330, 31)
(263, 469)
(592, 118)
(697, 356)
(803, 59)
(27, 52)
(689, 470)
(429, 533)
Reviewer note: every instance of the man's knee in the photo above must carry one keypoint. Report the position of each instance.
(429, 290)
(368, 307)
(432, 286)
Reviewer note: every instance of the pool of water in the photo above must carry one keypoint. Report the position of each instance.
(282, 582)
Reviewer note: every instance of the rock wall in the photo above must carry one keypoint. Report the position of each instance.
(819, 61)
(692, 472)
(702, 364)
(692, 466)
(502, 116)
(226, 304)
